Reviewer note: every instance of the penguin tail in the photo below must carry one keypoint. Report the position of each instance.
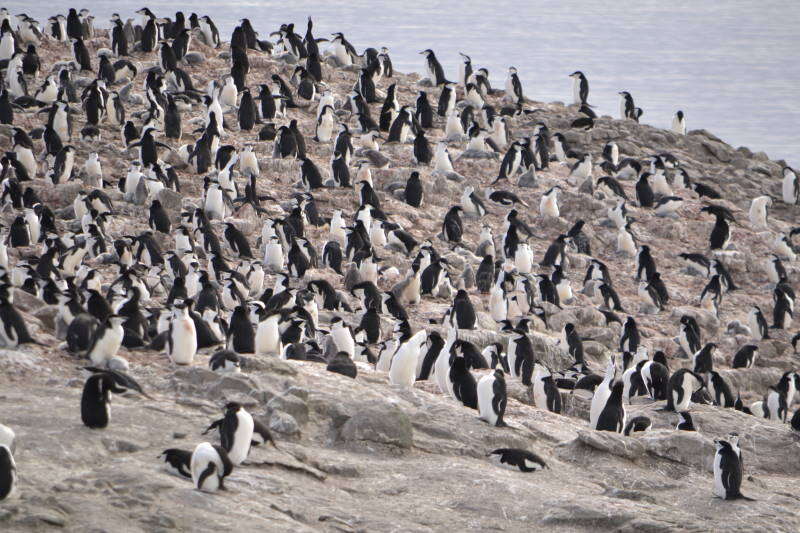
(741, 496)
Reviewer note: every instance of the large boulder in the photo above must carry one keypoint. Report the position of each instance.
(379, 424)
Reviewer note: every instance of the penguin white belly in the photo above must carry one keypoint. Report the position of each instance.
(60, 125)
(184, 341)
(404, 365)
(214, 204)
(539, 394)
(442, 369)
(6, 46)
(625, 243)
(453, 127)
(242, 438)
(369, 272)
(384, 363)
(28, 160)
(203, 456)
(772, 406)
(268, 337)
(485, 397)
(325, 130)
(789, 191)
(511, 356)
(719, 488)
(107, 346)
(273, 257)
(377, 236)
(344, 341)
(564, 291)
(758, 214)
(549, 207)
(523, 259)
(687, 394)
(497, 305)
(617, 217)
(341, 54)
(599, 400)
(660, 185)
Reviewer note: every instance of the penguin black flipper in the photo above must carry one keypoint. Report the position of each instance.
(120, 378)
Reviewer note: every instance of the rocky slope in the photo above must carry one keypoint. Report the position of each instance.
(361, 455)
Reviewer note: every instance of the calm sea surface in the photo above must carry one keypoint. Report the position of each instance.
(733, 67)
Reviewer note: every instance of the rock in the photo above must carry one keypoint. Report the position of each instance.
(705, 319)
(234, 384)
(576, 515)
(27, 302)
(528, 180)
(613, 443)
(291, 404)
(687, 447)
(380, 424)
(122, 446)
(195, 375)
(170, 200)
(194, 58)
(61, 195)
(283, 423)
(47, 316)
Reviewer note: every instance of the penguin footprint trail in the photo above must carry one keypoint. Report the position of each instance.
(173, 201)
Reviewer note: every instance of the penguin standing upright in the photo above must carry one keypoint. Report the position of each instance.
(106, 340)
(241, 337)
(790, 187)
(462, 382)
(433, 68)
(580, 88)
(237, 432)
(492, 398)
(679, 123)
(95, 401)
(545, 391)
(602, 393)
(403, 369)
(463, 312)
(613, 416)
(181, 345)
(728, 471)
(682, 384)
(453, 227)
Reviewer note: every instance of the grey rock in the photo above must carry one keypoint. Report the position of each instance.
(234, 384)
(687, 447)
(121, 446)
(194, 58)
(384, 424)
(291, 404)
(170, 200)
(528, 179)
(25, 301)
(283, 423)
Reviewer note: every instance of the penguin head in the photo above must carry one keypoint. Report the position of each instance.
(232, 407)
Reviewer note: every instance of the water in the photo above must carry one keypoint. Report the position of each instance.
(732, 66)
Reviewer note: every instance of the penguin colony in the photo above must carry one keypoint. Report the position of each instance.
(194, 283)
